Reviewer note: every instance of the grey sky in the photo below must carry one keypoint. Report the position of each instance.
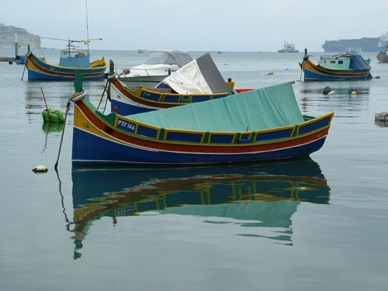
(199, 25)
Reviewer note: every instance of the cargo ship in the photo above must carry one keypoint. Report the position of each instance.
(288, 48)
(365, 44)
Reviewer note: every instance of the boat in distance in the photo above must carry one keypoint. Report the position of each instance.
(364, 44)
(288, 48)
(71, 60)
(340, 67)
(261, 124)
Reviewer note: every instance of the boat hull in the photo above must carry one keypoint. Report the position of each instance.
(313, 72)
(39, 70)
(94, 150)
(96, 141)
(127, 101)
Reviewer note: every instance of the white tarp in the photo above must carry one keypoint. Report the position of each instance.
(188, 80)
(200, 76)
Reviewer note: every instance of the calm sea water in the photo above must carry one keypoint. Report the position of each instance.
(317, 224)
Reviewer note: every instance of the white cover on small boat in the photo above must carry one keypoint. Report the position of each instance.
(188, 80)
(200, 76)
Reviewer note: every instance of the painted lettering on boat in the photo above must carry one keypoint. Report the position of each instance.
(128, 126)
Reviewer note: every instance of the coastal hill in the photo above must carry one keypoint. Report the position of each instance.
(7, 37)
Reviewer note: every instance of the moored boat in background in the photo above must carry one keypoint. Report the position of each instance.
(339, 67)
(127, 101)
(158, 66)
(197, 81)
(71, 60)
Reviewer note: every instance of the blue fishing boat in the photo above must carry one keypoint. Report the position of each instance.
(127, 101)
(340, 67)
(262, 124)
(197, 81)
(71, 60)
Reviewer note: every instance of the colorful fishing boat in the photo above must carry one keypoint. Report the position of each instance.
(197, 81)
(257, 196)
(262, 124)
(341, 67)
(127, 101)
(158, 66)
(71, 60)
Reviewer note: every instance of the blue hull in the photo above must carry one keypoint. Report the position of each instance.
(39, 70)
(311, 76)
(35, 76)
(87, 147)
(127, 109)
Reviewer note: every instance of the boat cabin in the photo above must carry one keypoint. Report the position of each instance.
(335, 62)
(75, 58)
(345, 61)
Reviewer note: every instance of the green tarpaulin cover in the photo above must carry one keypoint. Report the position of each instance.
(263, 108)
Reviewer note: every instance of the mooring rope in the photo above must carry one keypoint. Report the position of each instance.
(75, 97)
(103, 92)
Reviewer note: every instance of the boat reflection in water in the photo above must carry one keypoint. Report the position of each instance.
(260, 195)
